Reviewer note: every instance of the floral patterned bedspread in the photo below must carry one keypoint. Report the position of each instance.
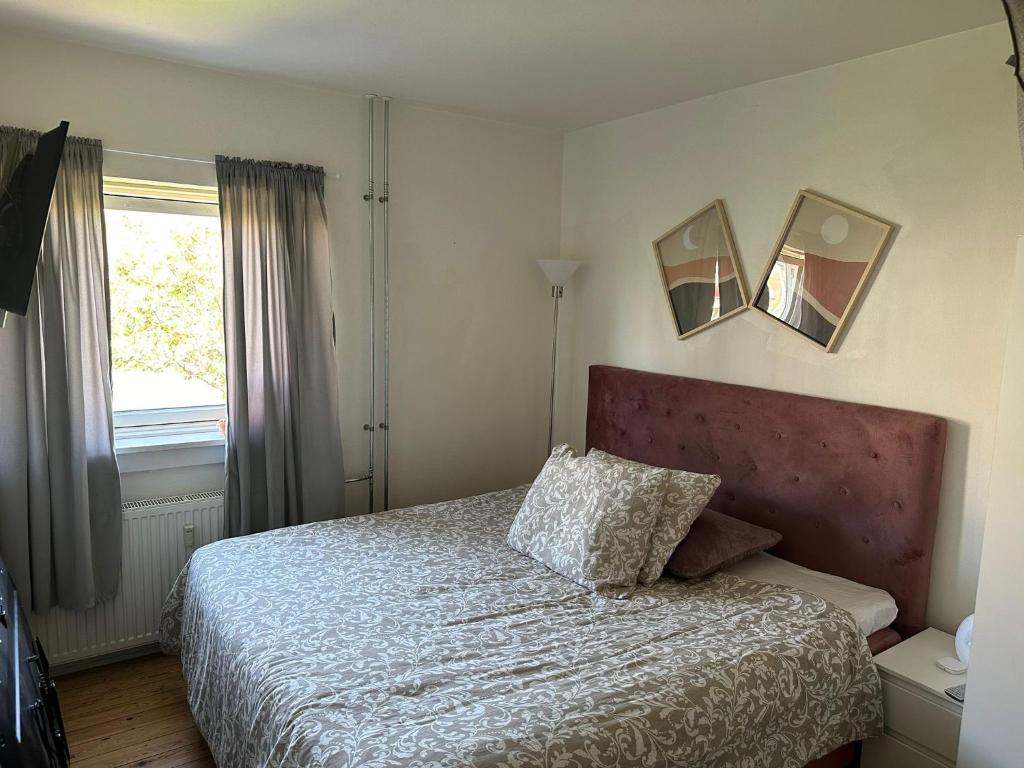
(418, 637)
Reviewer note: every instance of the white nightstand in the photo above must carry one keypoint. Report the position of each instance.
(922, 724)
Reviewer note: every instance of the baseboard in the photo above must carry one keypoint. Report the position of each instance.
(59, 670)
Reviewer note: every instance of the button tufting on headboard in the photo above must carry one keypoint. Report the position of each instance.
(870, 521)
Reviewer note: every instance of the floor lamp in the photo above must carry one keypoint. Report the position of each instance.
(558, 272)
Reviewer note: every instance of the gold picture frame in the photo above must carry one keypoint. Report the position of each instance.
(700, 271)
(820, 266)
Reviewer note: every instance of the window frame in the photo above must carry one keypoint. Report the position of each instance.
(154, 418)
(148, 426)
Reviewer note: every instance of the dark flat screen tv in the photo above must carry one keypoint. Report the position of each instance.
(24, 206)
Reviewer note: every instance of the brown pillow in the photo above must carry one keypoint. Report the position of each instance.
(716, 541)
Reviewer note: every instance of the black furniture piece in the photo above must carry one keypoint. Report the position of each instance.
(31, 727)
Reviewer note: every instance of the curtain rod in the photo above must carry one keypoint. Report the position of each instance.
(182, 159)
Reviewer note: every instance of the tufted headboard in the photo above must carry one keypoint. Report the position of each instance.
(853, 489)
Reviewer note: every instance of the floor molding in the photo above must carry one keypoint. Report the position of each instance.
(80, 665)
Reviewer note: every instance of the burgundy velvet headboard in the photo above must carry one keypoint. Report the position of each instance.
(853, 489)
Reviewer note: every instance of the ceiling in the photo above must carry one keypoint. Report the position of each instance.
(560, 64)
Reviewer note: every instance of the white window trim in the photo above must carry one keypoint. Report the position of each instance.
(169, 417)
(175, 436)
(159, 205)
(170, 453)
(119, 186)
(136, 442)
(164, 429)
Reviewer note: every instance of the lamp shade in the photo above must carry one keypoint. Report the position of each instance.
(558, 271)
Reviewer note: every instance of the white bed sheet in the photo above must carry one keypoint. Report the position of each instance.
(872, 608)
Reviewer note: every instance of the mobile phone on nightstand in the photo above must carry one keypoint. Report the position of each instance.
(956, 692)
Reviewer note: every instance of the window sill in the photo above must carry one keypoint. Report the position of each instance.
(139, 451)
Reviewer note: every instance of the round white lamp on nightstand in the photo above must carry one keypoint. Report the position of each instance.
(964, 634)
(962, 643)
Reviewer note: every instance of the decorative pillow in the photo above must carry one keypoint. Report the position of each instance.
(686, 495)
(590, 521)
(717, 541)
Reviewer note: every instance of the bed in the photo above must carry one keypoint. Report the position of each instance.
(417, 637)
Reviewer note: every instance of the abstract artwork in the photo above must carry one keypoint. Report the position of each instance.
(820, 266)
(700, 271)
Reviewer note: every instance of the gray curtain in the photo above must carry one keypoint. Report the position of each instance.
(1015, 16)
(284, 461)
(60, 493)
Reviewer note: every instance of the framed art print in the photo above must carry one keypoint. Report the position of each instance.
(700, 271)
(820, 266)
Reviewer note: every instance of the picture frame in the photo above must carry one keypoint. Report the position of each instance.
(820, 266)
(700, 271)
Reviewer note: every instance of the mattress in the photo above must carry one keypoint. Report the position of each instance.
(873, 609)
(418, 637)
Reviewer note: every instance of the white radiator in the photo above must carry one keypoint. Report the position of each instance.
(158, 536)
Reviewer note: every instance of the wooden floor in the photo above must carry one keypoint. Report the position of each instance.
(132, 713)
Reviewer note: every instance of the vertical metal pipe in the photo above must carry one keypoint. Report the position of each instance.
(368, 197)
(385, 425)
(556, 294)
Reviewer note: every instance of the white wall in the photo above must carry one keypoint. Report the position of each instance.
(992, 736)
(923, 136)
(473, 203)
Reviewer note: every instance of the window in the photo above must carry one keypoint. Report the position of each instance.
(166, 316)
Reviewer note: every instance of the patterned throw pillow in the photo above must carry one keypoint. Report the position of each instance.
(590, 521)
(686, 495)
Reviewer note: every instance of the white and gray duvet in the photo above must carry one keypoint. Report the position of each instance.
(418, 637)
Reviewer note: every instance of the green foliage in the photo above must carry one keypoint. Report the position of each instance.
(166, 301)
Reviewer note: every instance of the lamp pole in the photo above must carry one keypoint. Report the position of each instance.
(556, 294)
(558, 272)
